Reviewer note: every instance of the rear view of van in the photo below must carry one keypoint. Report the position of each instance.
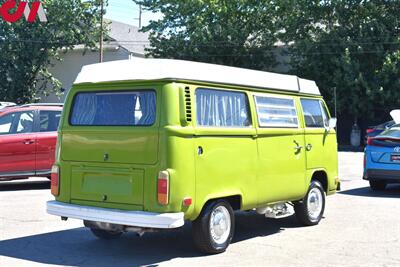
(145, 145)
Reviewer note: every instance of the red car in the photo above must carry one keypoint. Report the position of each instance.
(28, 136)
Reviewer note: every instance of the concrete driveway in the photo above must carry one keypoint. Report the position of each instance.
(360, 228)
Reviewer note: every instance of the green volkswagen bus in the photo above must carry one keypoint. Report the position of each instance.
(148, 144)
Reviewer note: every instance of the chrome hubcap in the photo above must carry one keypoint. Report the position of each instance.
(220, 225)
(314, 203)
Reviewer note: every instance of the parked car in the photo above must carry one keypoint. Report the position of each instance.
(6, 104)
(373, 131)
(28, 137)
(146, 146)
(382, 158)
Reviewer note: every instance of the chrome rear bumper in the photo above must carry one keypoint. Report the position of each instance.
(113, 216)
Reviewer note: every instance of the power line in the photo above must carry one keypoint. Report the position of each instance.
(268, 49)
(214, 43)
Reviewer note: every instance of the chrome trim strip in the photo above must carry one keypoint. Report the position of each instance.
(28, 173)
(16, 174)
(43, 172)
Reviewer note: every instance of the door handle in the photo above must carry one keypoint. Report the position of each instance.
(28, 142)
(309, 147)
(298, 147)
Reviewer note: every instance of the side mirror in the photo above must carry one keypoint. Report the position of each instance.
(332, 124)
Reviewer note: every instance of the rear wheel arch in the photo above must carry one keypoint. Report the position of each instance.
(322, 177)
(234, 200)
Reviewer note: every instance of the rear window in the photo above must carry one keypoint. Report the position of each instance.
(391, 133)
(128, 108)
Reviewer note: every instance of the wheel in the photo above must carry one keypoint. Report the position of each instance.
(377, 185)
(310, 209)
(103, 234)
(213, 229)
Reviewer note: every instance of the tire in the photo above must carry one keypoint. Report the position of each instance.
(377, 185)
(310, 209)
(214, 239)
(107, 235)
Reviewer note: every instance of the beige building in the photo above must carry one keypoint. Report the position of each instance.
(125, 42)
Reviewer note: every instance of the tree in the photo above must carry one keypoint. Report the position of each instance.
(350, 45)
(236, 33)
(27, 49)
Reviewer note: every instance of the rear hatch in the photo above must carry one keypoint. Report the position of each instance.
(110, 140)
(385, 148)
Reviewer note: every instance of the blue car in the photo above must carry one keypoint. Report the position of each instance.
(382, 159)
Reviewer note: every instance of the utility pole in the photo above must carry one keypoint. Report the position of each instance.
(102, 32)
(335, 99)
(140, 17)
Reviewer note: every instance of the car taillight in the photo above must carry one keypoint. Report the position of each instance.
(383, 141)
(369, 131)
(55, 180)
(369, 141)
(163, 187)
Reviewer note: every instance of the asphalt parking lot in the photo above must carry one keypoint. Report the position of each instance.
(360, 228)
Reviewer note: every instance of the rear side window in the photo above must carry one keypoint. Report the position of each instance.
(6, 123)
(276, 112)
(24, 123)
(315, 114)
(15, 123)
(133, 108)
(49, 120)
(218, 108)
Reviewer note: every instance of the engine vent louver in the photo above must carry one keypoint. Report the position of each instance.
(188, 104)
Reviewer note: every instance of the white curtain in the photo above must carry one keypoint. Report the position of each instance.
(148, 106)
(222, 108)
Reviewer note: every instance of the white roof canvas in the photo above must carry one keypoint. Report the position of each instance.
(160, 69)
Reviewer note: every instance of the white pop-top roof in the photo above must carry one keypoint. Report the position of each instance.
(160, 69)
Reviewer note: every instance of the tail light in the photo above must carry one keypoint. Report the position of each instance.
(369, 141)
(163, 187)
(55, 180)
(369, 131)
(383, 141)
